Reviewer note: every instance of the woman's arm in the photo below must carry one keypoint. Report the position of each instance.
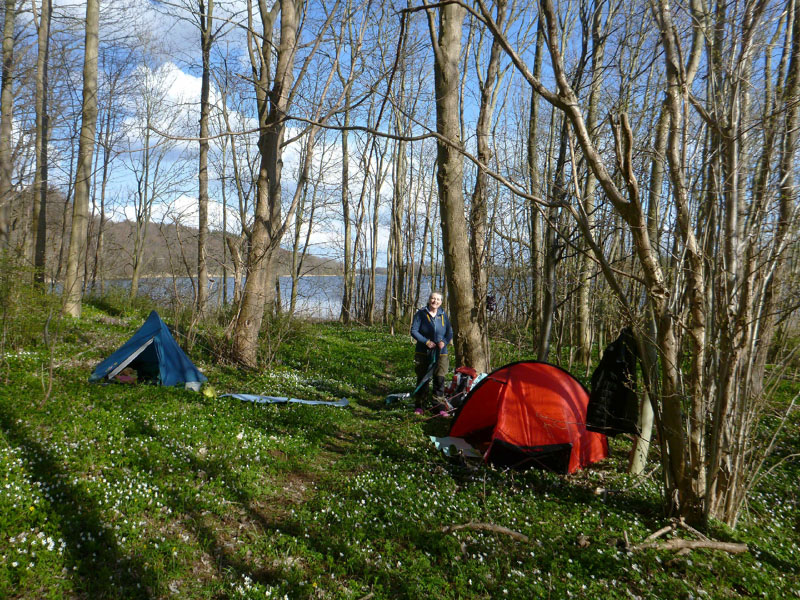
(415, 325)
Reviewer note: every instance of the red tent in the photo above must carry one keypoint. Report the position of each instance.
(530, 414)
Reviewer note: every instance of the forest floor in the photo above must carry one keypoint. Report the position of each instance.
(135, 491)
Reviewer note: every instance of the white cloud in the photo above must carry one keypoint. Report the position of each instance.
(184, 211)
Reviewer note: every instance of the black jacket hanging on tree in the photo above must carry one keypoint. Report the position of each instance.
(613, 404)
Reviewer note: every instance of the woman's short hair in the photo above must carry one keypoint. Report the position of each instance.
(434, 293)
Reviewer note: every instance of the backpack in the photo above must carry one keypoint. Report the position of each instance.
(459, 387)
(613, 404)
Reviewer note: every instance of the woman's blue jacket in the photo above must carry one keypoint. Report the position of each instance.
(426, 327)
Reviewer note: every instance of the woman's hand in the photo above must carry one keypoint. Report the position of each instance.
(430, 344)
(441, 345)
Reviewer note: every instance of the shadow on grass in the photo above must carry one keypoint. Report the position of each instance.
(220, 543)
(779, 564)
(100, 569)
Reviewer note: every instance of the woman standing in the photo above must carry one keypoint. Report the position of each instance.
(432, 331)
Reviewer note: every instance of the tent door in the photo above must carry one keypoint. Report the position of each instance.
(130, 359)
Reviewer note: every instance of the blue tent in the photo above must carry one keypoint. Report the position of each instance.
(155, 355)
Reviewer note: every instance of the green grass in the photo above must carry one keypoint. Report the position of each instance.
(113, 491)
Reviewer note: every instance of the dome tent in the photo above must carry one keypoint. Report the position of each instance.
(530, 414)
(155, 355)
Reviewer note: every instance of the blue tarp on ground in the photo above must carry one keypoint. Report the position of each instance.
(154, 354)
(283, 400)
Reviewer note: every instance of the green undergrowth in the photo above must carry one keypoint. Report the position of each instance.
(116, 491)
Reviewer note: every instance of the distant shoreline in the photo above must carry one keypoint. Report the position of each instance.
(141, 277)
(219, 276)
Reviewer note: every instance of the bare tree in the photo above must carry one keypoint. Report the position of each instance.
(156, 164)
(39, 216)
(706, 413)
(6, 115)
(73, 281)
(275, 93)
(446, 45)
(205, 9)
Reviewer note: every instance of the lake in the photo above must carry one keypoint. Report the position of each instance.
(318, 297)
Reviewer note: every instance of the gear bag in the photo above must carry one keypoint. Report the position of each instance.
(613, 404)
(463, 378)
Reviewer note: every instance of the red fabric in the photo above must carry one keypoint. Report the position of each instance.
(460, 375)
(531, 404)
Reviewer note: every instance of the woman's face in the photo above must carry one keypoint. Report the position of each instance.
(434, 302)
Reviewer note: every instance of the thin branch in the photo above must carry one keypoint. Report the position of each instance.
(486, 527)
(681, 544)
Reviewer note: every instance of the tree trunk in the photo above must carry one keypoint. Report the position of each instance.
(39, 220)
(73, 283)
(552, 249)
(6, 117)
(349, 271)
(584, 334)
(535, 182)
(641, 445)
(478, 210)
(398, 202)
(273, 103)
(206, 15)
(449, 178)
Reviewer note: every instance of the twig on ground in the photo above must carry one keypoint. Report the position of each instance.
(680, 544)
(691, 529)
(487, 527)
(659, 533)
(683, 546)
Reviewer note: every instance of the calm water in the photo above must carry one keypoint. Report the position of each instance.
(317, 296)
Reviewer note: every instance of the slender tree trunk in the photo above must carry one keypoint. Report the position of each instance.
(584, 334)
(267, 228)
(144, 200)
(206, 15)
(449, 178)
(6, 117)
(80, 209)
(534, 177)
(398, 203)
(236, 247)
(425, 232)
(478, 210)
(373, 256)
(39, 220)
(552, 248)
(223, 288)
(349, 272)
(641, 446)
(98, 254)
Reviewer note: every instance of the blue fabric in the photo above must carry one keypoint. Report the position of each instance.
(163, 357)
(282, 400)
(424, 327)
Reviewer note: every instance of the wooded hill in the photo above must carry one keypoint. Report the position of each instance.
(170, 249)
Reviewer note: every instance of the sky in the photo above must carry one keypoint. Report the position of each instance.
(174, 65)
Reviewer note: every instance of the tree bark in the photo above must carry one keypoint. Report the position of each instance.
(39, 220)
(599, 36)
(535, 182)
(206, 15)
(6, 116)
(449, 178)
(478, 216)
(349, 271)
(73, 281)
